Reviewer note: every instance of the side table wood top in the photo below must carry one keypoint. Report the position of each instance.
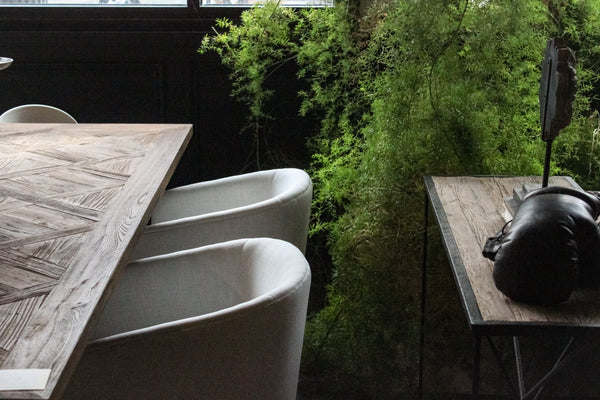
(469, 210)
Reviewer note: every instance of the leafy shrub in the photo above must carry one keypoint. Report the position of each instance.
(402, 89)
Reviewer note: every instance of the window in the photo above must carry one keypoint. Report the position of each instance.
(245, 3)
(84, 3)
(156, 3)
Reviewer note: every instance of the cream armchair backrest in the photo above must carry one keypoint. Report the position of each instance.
(221, 322)
(33, 113)
(274, 203)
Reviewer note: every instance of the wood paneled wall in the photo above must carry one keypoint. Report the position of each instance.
(135, 70)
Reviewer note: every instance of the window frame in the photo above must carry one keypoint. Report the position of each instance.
(192, 17)
(188, 18)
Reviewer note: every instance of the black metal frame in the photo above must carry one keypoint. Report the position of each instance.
(191, 17)
(488, 329)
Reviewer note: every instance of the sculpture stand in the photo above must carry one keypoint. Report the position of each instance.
(547, 163)
(558, 85)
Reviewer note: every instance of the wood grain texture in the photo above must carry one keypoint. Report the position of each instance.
(73, 200)
(473, 207)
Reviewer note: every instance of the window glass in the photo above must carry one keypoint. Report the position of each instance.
(246, 3)
(83, 3)
(158, 3)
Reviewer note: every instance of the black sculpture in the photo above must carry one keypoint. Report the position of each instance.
(558, 86)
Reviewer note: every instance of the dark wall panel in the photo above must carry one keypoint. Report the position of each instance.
(131, 77)
(91, 92)
(153, 74)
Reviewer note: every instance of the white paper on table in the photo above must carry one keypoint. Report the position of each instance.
(23, 379)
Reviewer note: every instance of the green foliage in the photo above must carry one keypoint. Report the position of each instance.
(576, 151)
(331, 63)
(263, 42)
(403, 89)
(253, 50)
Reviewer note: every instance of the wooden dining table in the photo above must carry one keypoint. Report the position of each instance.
(74, 199)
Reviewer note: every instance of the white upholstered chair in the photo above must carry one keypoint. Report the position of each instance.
(273, 203)
(223, 322)
(34, 113)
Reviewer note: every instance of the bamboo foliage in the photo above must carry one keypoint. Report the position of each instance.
(402, 89)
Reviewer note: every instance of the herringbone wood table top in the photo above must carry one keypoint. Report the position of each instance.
(73, 201)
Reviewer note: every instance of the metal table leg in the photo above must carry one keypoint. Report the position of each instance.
(476, 366)
(520, 391)
(537, 389)
(423, 297)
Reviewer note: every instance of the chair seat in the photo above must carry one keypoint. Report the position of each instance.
(221, 322)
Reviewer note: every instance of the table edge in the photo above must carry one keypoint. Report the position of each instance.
(459, 272)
